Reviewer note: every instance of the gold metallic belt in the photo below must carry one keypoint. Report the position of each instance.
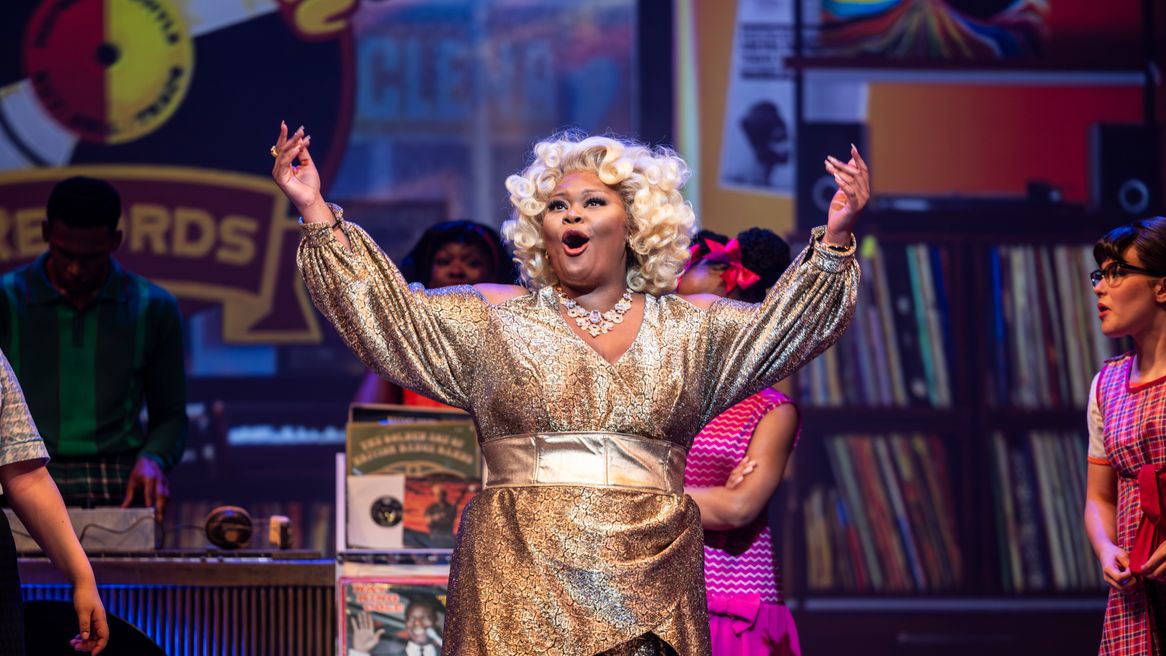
(592, 459)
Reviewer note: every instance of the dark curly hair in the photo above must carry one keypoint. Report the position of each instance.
(762, 252)
(698, 243)
(418, 264)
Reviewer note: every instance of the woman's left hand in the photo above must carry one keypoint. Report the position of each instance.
(743, 469)
(94, 630)
(853, 180)
(1155, 566)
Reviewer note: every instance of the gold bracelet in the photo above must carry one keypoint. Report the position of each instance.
(837, 248)
(337, 213)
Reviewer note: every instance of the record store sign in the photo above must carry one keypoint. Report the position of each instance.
(176, 103)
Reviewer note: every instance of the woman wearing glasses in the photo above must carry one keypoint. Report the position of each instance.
(1127, 436)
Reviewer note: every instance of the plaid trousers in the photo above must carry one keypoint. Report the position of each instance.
(93, 481)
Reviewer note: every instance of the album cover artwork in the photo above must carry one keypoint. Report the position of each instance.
(376, 511)
(392, 616)
(433, 510)
(420, 442)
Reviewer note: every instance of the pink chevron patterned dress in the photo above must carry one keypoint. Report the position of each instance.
(1134, 417)
(746, 612)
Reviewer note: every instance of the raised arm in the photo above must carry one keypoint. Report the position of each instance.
(750, 347)
(301, 184)
(423, 340)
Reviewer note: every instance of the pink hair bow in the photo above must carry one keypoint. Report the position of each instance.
(734, 276)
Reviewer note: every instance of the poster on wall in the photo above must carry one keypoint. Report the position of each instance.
(1070, 36)
(758, 143)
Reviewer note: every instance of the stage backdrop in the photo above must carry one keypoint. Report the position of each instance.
(418, 110)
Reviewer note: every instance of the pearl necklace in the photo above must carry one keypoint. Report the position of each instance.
(592, 321)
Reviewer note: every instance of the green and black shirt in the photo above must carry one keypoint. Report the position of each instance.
(86, 372)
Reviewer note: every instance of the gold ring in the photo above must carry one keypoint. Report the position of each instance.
(274, 152)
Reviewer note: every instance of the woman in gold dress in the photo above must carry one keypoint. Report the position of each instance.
(587, 386)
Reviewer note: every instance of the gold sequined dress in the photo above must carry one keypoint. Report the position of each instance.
(582, 540)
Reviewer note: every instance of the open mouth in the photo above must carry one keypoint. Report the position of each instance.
(575, 242)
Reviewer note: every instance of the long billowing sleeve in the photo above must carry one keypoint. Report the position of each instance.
(752, 346)
(423, 340)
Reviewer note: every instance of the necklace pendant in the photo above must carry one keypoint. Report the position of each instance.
(594, 322)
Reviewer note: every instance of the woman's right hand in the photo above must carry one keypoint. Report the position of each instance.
(301, 184)
(1115, 566)
(853, 180)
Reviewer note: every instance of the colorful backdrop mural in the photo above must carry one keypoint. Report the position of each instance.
(417, 110)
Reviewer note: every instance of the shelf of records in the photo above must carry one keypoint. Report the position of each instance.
(1038, 500)
(886, 523)
(404, 480)
(408, 474)
(897, 351)
(1037, 325)
(1044, 341)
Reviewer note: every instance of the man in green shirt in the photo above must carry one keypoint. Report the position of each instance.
(90, 342)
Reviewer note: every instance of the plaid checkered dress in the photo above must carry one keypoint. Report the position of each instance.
(1135, 434)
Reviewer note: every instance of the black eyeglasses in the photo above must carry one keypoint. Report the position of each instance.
(1114, 273)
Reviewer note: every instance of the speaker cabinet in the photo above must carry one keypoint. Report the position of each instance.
(815, 186)
(1125, 173)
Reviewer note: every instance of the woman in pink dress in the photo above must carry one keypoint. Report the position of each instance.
(1127, 438)
(736, 463)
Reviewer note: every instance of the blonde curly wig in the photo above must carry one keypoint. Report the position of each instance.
(648, 180)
